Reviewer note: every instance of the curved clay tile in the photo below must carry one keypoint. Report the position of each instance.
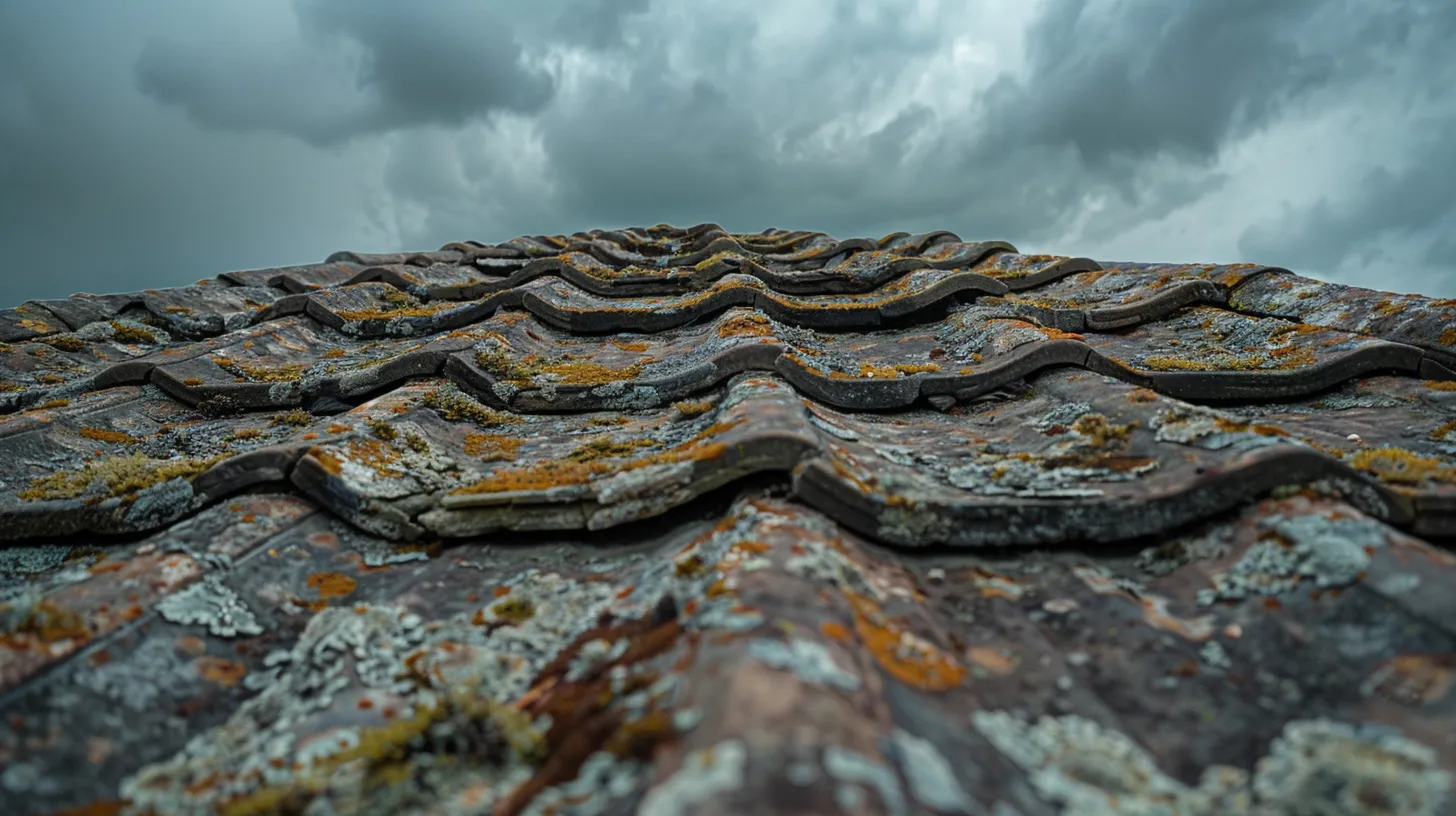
(675, 520)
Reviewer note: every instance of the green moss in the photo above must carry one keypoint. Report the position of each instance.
(123, 333)
(514, 610)
(64, 342)
(297, 417)
(452, 403)
(604, 448)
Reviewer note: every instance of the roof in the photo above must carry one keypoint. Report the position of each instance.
(683, 521)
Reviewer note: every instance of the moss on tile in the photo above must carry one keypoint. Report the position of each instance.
(119, 476)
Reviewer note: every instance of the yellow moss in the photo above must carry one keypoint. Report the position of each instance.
(383, 430)
(417, 443)
(1100, 432)
(562, 472)
(492, 447)
(693, 408)
(297, 417)
(123, 333)
(514, 610)
(255, 372)
(107, 435)
(871, 371)
(604, 448)
(400, 305)
(453, 404)
(1401, 466)
(121, 475)
(246, 433)
(690, 566)
(1283, 357)
(64, 342)
(607, 422)
(745, 325)
(522, 373)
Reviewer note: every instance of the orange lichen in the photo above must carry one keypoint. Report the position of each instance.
(745, 325)
(835, 631)
(909, 659)
(632, 346)
(1448, 337)
(107, 435)
(492, 447)
(575, 471)
(374, 454)
(1440, 385)
(224, 672)
(332, 584)
(1442, 432)
(689, 409)
(871, 371)
(55, 403)
(334, 354)
(193, 381)
(48, 622)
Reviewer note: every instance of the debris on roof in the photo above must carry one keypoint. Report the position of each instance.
(667, 520)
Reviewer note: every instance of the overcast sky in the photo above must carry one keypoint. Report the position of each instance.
(149, 143)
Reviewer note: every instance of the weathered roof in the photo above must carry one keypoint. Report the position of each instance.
(682, 521)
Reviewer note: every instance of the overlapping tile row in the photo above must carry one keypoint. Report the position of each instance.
(680, 520)
(760, 659)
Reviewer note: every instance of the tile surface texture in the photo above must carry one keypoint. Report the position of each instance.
(676, 521)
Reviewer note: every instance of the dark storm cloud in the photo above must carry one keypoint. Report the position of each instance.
(1412, 202)
(159, 141)
(431, 62)
(102, 191)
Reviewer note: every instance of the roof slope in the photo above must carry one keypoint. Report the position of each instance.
(686, 521)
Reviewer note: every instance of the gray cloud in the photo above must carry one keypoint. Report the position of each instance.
(186, 139)
(358, 67)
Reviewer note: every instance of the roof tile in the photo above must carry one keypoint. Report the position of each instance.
(668, 518)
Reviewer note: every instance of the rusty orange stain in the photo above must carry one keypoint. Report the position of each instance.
(909, 659)
(220, 670)
(332, 584)
(837, 631)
